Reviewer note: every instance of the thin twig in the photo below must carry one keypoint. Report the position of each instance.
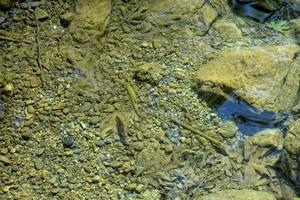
(214, 141)
(38, 50)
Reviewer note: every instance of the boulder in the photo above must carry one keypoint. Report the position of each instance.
(291, 153)
(91, 19)
(244, 194)
(266, 77)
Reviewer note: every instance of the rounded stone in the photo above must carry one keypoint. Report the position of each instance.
(68, 141)
(95, 120)
(139, 146)
(30, 109)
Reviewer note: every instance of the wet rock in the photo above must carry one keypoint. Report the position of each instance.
(67, 18)
(5, 4)
(151, 73)
(30, 109)
(270, 139)
(91, 19)
(40, 14)
(95, 120)
(139, 146)
(68, 141)
(208, 14)
(244, 194)
(291, 153)
(8, 88)
(227, 30)
(5, 160)
(228, 129)
(259, 75)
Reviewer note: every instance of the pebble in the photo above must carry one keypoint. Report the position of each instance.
(55, 191)
(96, 179)
(86, 107)
(169, 148)
(139, 146)
(4, 151)
(38, 164)
(8, 88)
(40, 13)
(39, 152)
(30, 109)
(68, 141)
(4, 160)
(67, 18)
(95, 120)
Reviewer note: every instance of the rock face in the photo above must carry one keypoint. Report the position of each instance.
(91, 20)
(266, 77)
(291, 153)
(244, 194)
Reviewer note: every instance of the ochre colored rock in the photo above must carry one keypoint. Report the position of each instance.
(266, 77)
(90, 20)
(227, 30)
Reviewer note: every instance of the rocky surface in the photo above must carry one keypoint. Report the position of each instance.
(87, 108)
(291, 155)
(90, 20)
(267, 77)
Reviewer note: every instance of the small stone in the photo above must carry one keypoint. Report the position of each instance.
(68, 141)
(44, 174)
(229, 129)
(38, 164)
(169, 148)
(96, 179)
(30, 109)
(131, 186)
(69, 153)
(40, 14)
(139, 146)
(34, 81)
(5, 188)
(8, 88)
(86, 106)
(67, 18)
(55, 191)
(146, 26)
(164, 126)
(4, 151)
(26, 135)
(39, 152)
(4, 160)
(95, 120)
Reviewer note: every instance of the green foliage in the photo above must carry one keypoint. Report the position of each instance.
(280, 26)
